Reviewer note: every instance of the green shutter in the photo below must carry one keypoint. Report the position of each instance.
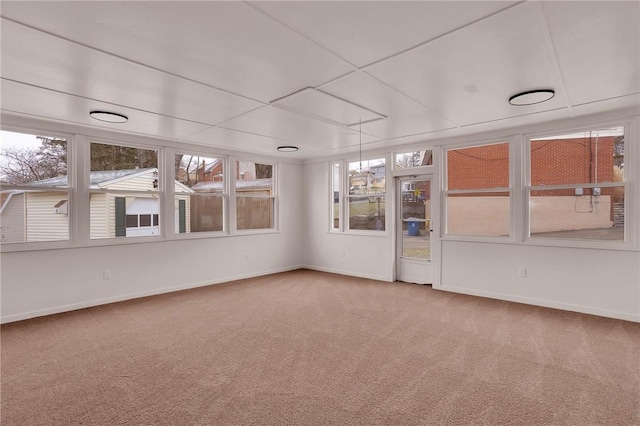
(182, 216)
(121, 212)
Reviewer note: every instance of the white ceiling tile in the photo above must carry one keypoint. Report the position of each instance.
(428, 139)
(327, 107)
(247, 142)
(404, 116)
(435, 69)
(38, 102)
(469, 75)
(366, 31)
(598, 47)
(228, 45)
(295, 128)
(57, 64)
(622, 102)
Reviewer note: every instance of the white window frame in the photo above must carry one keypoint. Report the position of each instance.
(70, 189)
(79, 141)
(630, 166)
(514, 183)
(87, 191)
(344, 199)
(233, 195)
(412, 169)
(171, 194)
(341, 186)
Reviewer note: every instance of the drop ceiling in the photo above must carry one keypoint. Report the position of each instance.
(323, 76)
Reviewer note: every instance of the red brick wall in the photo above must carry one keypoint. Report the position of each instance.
(553, 162)
(572, 161)
(212, 175)
(478, 167)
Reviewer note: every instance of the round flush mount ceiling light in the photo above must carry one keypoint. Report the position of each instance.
(287, 148)
(109, 117)
(531, 97)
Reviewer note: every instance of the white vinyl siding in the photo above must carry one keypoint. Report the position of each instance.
(12, 221)
(136, 183)
(187, 209)
(44, 224)
(99, 216)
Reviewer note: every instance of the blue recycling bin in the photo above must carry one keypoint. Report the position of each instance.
(414, 228)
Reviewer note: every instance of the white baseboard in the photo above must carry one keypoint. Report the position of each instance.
(472, 292)
(130, 296)
(544, 303)
(348, 273)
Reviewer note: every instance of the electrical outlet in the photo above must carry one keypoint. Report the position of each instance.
(522, 272)
(343, 254)
(246, 257)
(106, 274)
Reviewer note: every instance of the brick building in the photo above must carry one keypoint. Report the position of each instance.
(553, 162)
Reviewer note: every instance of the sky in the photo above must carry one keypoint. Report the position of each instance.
(18, 139)
(12, 139)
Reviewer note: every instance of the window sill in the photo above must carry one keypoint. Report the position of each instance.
(106, 242)
(367, 233)
(548, 242)
(582, 244)
(479, 239)
(245, 232)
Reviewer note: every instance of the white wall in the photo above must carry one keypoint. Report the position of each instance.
(598, 281)
(365, 255)
(601, 282)
(48, 281)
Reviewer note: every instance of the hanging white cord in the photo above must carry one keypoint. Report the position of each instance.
(360, 146)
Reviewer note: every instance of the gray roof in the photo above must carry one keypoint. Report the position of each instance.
(210, 166)
(240, 184)
(96, 178)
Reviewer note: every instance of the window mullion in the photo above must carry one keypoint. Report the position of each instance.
(167, 194)
(232, 211)
(80, 181)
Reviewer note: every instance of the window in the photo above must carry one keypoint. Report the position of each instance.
(124, 191)
(477, 193)
(35, 190)
(577, 186)
(412, 159)
(199, 194)
(335, 195)
(366, 199)
(132, 220)
(255, 195)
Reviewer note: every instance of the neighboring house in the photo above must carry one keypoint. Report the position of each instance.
(246, 171)
(12, 217)
(592, 161)
(211, 172)
(370, 181)
(43, 215)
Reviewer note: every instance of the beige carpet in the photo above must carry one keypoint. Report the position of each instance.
(310, 348)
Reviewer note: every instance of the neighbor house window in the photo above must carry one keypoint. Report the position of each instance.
(255, 195)
(335, 195)
(366, 199)
(477, 192)
(124, 191)
(199, 194)
(34, 199)
(577, 186)
(408, 160)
